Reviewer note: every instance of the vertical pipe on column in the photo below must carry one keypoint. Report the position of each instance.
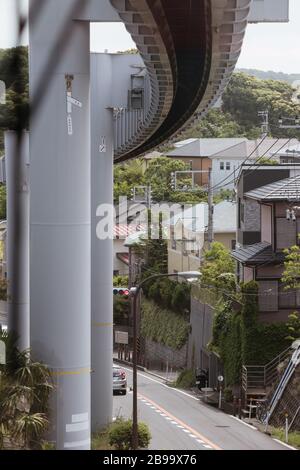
(60, 217)
(17, 182)
(102, 242)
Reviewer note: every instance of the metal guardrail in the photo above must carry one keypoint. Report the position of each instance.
(263, 376)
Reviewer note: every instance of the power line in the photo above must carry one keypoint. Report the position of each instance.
(255, 164)
(244, 161)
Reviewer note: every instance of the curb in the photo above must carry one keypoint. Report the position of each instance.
(141, 368)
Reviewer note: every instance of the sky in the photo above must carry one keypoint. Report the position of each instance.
(266, 46)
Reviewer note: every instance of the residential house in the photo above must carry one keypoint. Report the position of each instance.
(224, 157)
(197, 154)
(121, 250)
(268, 223)
(188, 234)
(290, 154)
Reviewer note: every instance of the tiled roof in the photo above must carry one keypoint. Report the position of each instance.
(196, 218)
(254, 254)
(205, 147)
(286, 189)
(269, 146)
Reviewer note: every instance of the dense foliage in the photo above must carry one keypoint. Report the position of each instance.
(291, 274)
(239, 338)
(218, 268)
(163, 326)
(25, 387)
(14, 114)
(158, 176)
(245, 96)
(120, 281)
(2, 202)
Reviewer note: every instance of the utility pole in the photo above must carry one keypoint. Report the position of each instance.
(265, 123)
(210, 230)
(149, 196)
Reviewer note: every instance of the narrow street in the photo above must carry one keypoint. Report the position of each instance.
(179, 421)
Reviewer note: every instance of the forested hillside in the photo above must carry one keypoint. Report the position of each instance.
(238, 116)
(270, 75)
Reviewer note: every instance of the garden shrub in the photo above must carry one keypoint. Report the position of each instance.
(120, 435)
(186, 379)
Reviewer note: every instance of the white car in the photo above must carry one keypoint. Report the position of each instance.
(119, 380)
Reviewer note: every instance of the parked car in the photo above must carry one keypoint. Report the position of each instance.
(119, 380)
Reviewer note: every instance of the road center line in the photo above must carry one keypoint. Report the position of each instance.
(171, 417)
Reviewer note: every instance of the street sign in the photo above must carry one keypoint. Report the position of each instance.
(102, 146)
(220, 378)
(2, 353)
(71, 101)
(121, 337)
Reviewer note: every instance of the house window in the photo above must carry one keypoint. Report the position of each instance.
(116, 273)
(268, 296)
(233, 244)
(228, 166)
(191, 165)
(222, 166)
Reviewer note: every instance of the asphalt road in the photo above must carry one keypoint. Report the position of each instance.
(179, 421)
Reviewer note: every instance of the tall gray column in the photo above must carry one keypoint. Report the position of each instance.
(102, 248)
(17, 182)
(60, 215)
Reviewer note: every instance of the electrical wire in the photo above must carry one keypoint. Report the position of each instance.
(255, 164)
(243, 163)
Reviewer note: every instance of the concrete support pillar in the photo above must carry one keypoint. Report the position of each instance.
(17, 248)
(60, 214)
(102, 242)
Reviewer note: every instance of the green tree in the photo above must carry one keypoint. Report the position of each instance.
(291, 274)
(216, 124)
(218, 268)
(126, 176)
(14, 114)
(293, 326)
(158, 175)
(246, 95)
(120, 281)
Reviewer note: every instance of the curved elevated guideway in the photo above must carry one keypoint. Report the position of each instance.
(190, 50)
